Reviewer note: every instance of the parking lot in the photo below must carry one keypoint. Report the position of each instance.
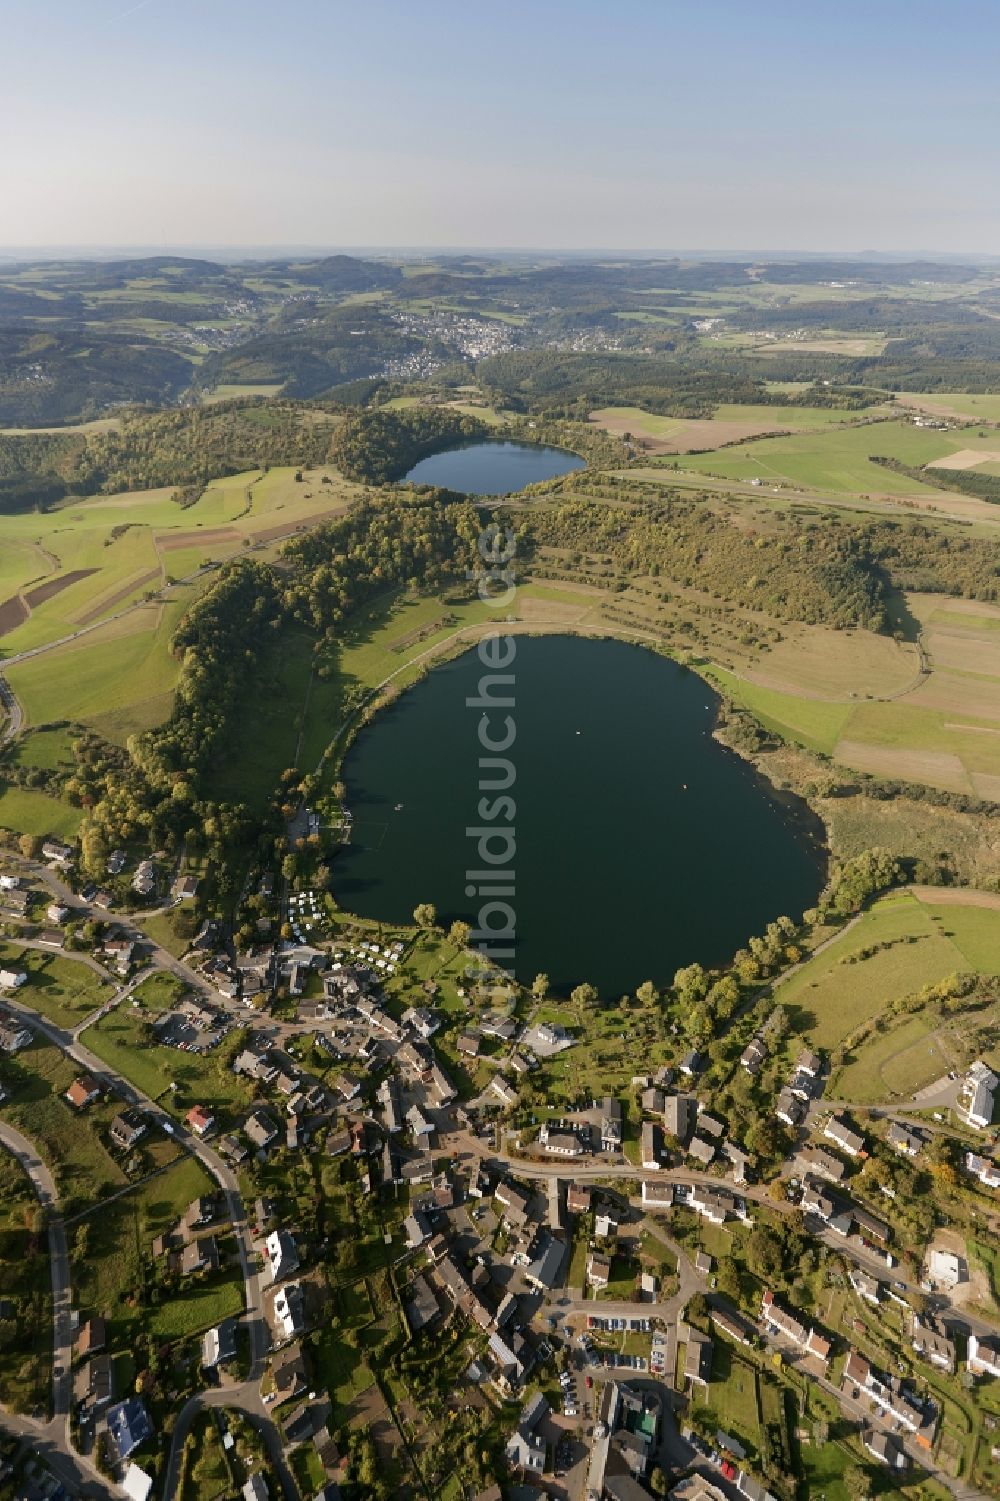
(175, 1031)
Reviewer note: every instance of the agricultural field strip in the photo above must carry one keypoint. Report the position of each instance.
(935, 727)
(127, 539)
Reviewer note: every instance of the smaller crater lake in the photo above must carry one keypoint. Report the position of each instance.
(493, 467)
(642, 843)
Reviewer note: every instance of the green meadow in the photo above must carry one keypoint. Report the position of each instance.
(71, 1145)
(838, 460)
(119, 678)
(128, 544)
(815, 723)
(49, 750)
(107, 1256)
(908, 944)
(890, 737)
(64, 990)
(29, 812)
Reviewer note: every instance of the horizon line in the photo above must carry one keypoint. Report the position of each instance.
(255, 250)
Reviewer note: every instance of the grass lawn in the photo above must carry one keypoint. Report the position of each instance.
(578, 1261)
(824, 1468)
(63, 990)
(732, 1394)
(29, 812)
(197, 1309)
(108, 1249)
(308, 1469)
(660, 1257)
(71, 1144)
(159, 992)
(163, 929)
(623, 1279)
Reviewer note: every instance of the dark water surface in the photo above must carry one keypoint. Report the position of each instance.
(493, 468)
(642, 844)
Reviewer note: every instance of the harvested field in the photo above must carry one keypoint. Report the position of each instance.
(572, 586)
(418, 634)
(44, 592)
(958, 693)
(173, 541)
(679, 435)
(552, 610)
(987, 786)
(819, 663)
(978, 608)
(154, 575)
(966, 458)
(875, 344)
(956, 896)
(964, 650)
(13, 612)
(957, 404)
(938, 768)
(272, 533)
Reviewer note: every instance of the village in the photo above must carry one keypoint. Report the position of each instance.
(587, 1257)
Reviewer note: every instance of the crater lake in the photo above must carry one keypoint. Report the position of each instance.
(493, 467)
(641, 843)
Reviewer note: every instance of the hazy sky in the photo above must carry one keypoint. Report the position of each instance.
(640, 124)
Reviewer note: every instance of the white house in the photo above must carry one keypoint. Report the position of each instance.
(839, 1132)
(984, 1355)
(983, 1168)
(288, 1309)
(282, 1254)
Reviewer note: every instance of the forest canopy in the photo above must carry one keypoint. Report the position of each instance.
(380, 446)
